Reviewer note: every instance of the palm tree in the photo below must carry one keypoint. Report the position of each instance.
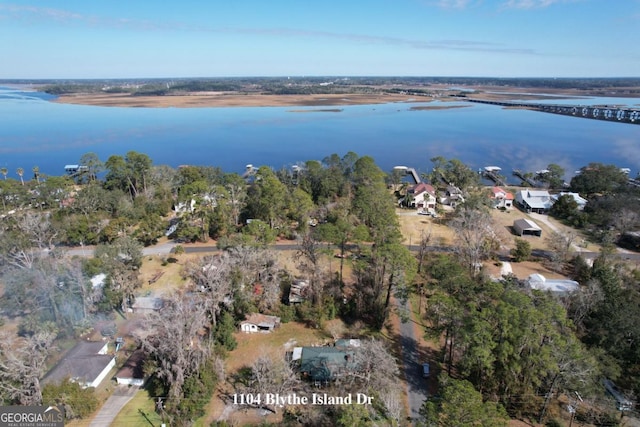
(36, 174)
(20, 172)
(4, 171)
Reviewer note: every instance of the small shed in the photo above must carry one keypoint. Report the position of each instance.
(132, 372)
(298, 292)
(524, 226)
(260, 323)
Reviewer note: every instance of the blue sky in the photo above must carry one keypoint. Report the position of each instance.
(188, 38)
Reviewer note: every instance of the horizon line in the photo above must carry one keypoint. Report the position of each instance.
(301, 76)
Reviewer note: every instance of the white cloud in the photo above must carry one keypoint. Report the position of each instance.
(531, 4)
(453, 4)
(64, 17)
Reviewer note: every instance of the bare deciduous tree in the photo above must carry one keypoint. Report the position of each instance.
(25, 237)
(124, 282)
(308, 260)
(271, 375)
(583, 301)
(210, 275)
(15, 251)
(377, 368)
(259, 267)
(561, 246)
(37, 228)
(176, 338)
(425, 239)
(22, 363)
(393, 405)
(237, 197)
(625, 220)
(476, 237)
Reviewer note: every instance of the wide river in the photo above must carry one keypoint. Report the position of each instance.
(37, 132)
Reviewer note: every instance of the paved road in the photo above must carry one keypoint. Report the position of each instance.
(87, 251)
(113, 406)
(166, 248)
(412, 365)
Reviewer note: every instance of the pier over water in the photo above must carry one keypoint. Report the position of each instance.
(608, 113)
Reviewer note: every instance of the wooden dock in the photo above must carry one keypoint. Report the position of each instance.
(520, 174)
(493, 176)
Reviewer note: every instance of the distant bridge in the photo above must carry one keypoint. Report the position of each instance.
(608, 113)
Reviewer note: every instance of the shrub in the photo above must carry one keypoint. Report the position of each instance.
(78, 402)
(522, 251)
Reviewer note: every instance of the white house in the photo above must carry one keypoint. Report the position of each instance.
(538, 201)
(259, 323)
(423, 196)
(132, 372)
(501, 198)
(87, 364)
(452, 196)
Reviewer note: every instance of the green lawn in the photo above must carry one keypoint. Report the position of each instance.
(132, 414)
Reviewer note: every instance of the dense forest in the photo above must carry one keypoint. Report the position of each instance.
(505, 350)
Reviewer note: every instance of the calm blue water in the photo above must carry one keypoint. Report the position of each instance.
(37, 132)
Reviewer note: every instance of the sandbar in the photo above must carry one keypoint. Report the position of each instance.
(198, 100)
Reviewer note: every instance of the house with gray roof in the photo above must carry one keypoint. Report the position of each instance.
(538, 201)
(87, 364)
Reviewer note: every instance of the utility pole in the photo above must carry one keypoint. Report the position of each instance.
(572, 408)
(572, 411)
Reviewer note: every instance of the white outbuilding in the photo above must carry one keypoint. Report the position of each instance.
(560, 286)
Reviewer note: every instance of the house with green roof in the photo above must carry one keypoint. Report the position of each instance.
(327, 363)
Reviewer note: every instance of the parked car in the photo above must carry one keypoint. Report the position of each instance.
(426, 370)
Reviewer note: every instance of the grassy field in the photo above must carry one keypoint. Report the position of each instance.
(139, 412)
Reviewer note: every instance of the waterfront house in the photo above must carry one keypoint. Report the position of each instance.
(501, 199)
(537, 201)
(452, 196)
(422, 196)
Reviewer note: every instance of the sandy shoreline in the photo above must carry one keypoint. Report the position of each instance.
(234, 100)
